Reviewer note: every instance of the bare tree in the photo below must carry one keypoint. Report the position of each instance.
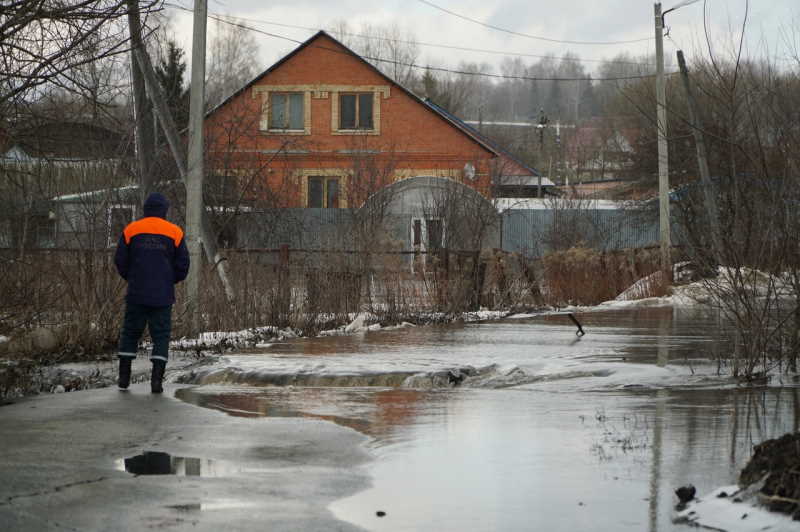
(232, 53)
(747, 245)
(43, 41)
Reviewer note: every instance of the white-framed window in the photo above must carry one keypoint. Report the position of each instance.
(427, 239)
(286, 111)
(427, 234)
(324, 192)
(118, 217)
(356, 111)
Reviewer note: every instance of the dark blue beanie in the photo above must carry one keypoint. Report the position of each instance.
(156, 205)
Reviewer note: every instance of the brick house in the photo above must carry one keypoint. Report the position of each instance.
(323, 128)
(602, 148)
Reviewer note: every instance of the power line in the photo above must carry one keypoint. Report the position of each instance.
(425, 67)
(682, 4)
(437, 45)
(536, 37)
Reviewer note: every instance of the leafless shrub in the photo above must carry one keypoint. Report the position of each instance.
(742, 225)
(581, 276)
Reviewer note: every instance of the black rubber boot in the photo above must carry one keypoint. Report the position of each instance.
(124, 372)
(157, 376)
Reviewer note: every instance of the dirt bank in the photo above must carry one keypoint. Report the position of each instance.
(776, 463)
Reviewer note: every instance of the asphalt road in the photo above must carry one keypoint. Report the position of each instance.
(62, 466)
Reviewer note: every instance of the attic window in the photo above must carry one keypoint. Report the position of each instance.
(286, 111)
(355, 111)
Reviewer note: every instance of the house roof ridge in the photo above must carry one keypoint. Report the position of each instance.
(461, 124)
(441, 113)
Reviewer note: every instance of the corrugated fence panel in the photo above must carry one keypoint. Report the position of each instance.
(534, 232)
(529, 232)
(308, 229)
(313, 229)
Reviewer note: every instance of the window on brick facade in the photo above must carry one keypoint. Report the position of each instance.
(286, 110)
(355, 111)
(323, 192)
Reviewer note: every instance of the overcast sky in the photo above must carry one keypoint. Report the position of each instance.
(769, 23)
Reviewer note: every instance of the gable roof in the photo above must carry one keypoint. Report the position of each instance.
(477, 135)
(69, 140)
(452, 120)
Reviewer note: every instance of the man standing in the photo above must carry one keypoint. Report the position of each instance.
(152, 257)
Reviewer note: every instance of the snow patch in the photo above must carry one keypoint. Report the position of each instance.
(484, 315)
(403, 325)
(689, 295)
(720, 512)
(357, 324)
(642, 288)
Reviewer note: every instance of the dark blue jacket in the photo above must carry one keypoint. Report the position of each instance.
(151, 255)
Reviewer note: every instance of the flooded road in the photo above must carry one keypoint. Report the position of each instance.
(519, 424)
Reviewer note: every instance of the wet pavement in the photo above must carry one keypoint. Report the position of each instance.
(61, 454)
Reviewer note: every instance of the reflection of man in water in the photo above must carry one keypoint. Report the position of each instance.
(151, 255)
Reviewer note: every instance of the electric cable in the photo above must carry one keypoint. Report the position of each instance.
(429, 67)
(432, 45)
(535, 37)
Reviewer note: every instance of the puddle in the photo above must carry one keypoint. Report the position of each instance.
(160, 463)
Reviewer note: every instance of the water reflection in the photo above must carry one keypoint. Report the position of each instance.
(377, 413)
(498, 461)
(488, 459)
(544, 456)
(160, 463)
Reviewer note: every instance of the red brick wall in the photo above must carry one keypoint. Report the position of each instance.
(413, 140)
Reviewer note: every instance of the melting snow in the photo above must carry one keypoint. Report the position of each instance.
(722, 513)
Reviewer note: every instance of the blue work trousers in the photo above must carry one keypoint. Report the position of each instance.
(157, 319)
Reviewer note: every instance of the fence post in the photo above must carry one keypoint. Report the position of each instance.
(284, 256)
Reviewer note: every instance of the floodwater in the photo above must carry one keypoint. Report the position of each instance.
(519, 424)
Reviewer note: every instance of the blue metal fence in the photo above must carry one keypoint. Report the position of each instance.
(535, 232)
(529, 232)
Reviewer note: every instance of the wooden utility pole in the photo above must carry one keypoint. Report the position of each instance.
(663, 157)
(143, 117)
(194, 178)
(702, 158)
(159, 100)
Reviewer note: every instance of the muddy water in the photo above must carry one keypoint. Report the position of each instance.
(551, 432)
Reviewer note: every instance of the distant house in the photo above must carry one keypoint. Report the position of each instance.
(523, 187)
(42, 159)
(95, 219)
(601, 148)
(64, 143)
